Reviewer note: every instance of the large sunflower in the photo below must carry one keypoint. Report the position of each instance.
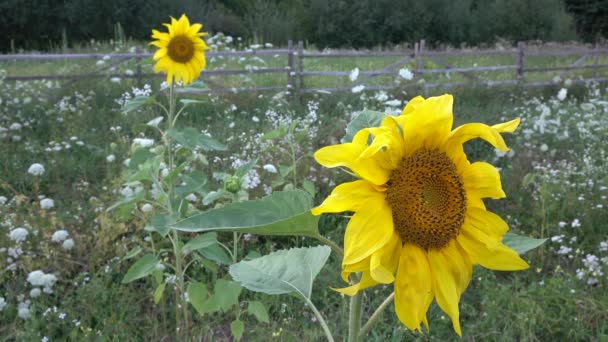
(419, 219)
(181, 53)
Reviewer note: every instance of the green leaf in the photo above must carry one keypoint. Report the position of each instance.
(243, 169)
(158, 294)
(127, 201)
(282, 213)
(193, 183)
(192, 139)
(275, 133)
(521, 244)
(140, 156)
(197, 293)
(161, 223)
(236, 328)
(284, 170)
(226, 294)
(199, 242)
(282, 272)
(136, 103)
(259, 311)
(367, 118)
(141, 268)
(132, 253)
(216, 253)
(309, 187)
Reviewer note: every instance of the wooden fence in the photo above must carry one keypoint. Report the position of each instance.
(296, 72)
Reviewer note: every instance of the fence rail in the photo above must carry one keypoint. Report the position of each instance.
(296, 72)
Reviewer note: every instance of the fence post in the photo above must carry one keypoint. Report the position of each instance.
(300, 68)
(138, 69)
(420, 52)
(520, 60)
(595, 60)
(290, 68)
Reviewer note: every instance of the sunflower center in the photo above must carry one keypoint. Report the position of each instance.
(427, 198)
(180, 49)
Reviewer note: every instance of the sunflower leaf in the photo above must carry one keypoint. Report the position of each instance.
(521, 244)
(366, 119)
(282, 213)
(282, 272)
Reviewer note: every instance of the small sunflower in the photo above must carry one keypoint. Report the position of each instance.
(419, 219)
(181, 53)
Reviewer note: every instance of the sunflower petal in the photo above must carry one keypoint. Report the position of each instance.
(451, 272)
(349, 196)
(482, 180)
(427, 124)
(488, 252)
(413, 286)
(507, 127)
(383, 262)
(368, 230)
(366, 281)
(488, 222)
(348, 155)
(491, 134)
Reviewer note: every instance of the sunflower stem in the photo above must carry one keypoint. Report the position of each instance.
(331, 244)
(320, 318)
(372, 320)
(354, 317)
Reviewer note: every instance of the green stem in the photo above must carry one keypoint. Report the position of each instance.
(178, 275)
(295, 163)
(372, 320)
(331, 244)
(320, 319)
(235, 246)
(354, 317)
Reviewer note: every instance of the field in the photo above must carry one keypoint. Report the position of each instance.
(555, 178)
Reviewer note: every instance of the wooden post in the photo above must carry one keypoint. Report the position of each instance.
(138, 61)
(291, 70)
(419, 61)
(595, 60)
(520, 60)
(301, 68)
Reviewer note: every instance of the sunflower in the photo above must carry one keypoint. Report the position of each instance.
(181, 53)
(419, 219)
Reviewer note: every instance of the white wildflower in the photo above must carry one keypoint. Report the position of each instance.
(60, 235)
(23, 311)
(35, 292)
(406, 74)
(3, 200)
(191, 198)
(561, 95)
(544, 147)
(143, 142)
(358, 89)
(2, 303)
(47, 204)
(68, 244)
(354, 74)
(36, 169)
(18, 234)
(111, 158)
(576, 223)
(270, 168)
(146, 208)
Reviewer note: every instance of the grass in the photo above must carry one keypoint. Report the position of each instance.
(546, 302)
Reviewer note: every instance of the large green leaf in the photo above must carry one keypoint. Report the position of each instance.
(259, 311)
(367, 118)
(192, 138)
(198, 293)
(236, 328)
(282, 213)
(141, 268)
(200, 242)
(136, 103)
(281, 272)
(521, 244)
(225, 295)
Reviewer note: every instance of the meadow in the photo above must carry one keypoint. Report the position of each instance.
(67, 147)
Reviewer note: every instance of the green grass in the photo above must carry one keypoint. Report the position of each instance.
(546, 302)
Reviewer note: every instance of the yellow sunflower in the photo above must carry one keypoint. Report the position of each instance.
(181, 53)
(419, 219)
